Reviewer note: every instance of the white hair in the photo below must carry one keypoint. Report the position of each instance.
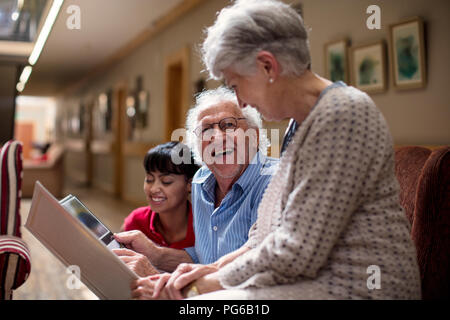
(249, 26)
(210, 98)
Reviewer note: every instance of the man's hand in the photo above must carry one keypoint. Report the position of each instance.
(136, 262)
(144, 288)
(162, 258)
(137, 241)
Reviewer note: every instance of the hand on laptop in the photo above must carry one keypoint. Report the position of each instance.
(137, 241)
(136, 262)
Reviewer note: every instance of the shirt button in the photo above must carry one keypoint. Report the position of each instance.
(215, 228)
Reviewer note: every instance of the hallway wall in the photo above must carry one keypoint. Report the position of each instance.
(419, 116)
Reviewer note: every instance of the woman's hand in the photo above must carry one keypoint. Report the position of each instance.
(205, 284)
(136, 262)
(187, 273)
(137, 241)
(144, 288)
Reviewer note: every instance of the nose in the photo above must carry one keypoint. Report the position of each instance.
(155, 187)
(217, 133)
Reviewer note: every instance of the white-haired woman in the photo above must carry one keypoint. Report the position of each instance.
(329, 225)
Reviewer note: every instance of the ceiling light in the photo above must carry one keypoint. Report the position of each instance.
(25, 74)
(20, 86)
(48, 24)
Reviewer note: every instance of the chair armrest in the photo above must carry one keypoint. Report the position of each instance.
(15, 264)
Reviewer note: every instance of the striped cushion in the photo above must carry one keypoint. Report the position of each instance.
(16, 264)
(14, 255)
(11, 183)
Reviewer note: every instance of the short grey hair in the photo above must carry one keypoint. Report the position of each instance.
(249, 26)
(213, 97)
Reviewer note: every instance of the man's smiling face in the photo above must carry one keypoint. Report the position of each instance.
(226, 153)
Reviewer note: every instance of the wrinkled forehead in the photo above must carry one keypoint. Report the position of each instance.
(219, 111)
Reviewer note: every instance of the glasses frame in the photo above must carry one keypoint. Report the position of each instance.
(199, 131)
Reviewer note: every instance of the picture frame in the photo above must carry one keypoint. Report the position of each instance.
(336, 60)
(143, 98)
(407, 53)
(103, 114)
(368, 67)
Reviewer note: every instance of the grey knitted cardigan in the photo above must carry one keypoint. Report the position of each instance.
(330, 225)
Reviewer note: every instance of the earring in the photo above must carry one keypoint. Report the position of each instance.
(270, 80)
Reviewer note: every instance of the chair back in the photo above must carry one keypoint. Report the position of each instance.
(424, 178)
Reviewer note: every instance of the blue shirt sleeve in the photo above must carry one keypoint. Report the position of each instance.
(191, 251)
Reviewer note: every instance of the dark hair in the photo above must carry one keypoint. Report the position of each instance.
(159, 159)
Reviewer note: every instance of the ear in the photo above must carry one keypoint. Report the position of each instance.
(189, 185)
(268, 64)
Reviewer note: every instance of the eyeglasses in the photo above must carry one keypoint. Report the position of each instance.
(224, 124)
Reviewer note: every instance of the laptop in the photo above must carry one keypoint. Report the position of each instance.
(77, 238)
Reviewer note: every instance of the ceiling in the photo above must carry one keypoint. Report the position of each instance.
(106, 27)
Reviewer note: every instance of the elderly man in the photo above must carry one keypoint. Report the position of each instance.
(226, 191)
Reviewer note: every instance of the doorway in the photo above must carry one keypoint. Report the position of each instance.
(177, 93)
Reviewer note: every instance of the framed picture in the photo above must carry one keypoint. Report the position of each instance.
(104, 114)
(143, 99)
(336, 60)
(368, 67)
(406, 42)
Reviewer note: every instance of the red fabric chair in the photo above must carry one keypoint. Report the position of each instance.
(15, 262)
(424, 178)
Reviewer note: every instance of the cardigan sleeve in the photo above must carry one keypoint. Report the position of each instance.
(331, 171)
(252, 240)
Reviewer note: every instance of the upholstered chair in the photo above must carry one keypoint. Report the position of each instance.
(424, 177)
(15, 262)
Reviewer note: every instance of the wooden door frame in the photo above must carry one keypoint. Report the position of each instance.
(180, 57)
(119, 120)
(88, 137)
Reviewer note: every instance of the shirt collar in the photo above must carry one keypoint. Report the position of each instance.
(206, 178)
(252, 170)
(153, 218)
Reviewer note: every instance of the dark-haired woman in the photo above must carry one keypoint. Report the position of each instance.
(167, 220)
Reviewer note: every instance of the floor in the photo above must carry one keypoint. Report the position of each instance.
(49, 279)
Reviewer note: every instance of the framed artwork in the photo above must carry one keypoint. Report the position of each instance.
(81, 118)
(143, 99)
(336, 60)
(406, 42)
(368, 67)
(100, 116)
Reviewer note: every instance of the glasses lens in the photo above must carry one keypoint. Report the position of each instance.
(224, 125)
(227, 124)
(201, 131)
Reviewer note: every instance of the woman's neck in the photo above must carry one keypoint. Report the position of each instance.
(302, 94)
(173, 224)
